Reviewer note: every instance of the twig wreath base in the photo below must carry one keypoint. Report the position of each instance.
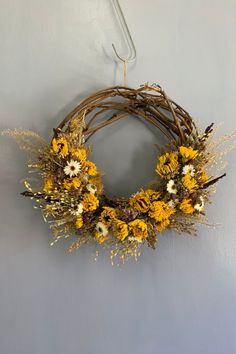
(70, 192)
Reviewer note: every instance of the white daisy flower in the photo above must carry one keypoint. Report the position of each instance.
(91, 188)
(188, 170)
(199, 206)
(171, 188)
(101, 228)
(77, 210)
(72, 168)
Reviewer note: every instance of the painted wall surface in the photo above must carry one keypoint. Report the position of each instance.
(179, 299)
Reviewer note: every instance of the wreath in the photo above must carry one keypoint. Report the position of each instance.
(70, 191)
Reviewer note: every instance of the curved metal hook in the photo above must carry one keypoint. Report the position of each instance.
(128, 36)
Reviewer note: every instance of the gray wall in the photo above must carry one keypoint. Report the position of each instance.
(179, 299)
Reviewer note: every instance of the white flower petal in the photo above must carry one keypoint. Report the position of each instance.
(91, 188)
(188, 169)
(171, 187)
(199, 206)
(171, 203)
(78, 210)
(131, 238)
(72, 168)
(101, 228)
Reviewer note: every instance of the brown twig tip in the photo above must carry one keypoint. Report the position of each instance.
(37, 195)
(213, 181)
(207, 132)
(27, 194)
(209, 129)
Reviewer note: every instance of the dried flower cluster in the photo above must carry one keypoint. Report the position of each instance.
(70, 189)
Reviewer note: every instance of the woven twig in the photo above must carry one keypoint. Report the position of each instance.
(150, 103)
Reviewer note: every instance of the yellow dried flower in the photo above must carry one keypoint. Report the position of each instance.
(89, 168)
(189, 182)
(160, 211)
(100, 238)
(90, 202)
(101, 233)
(80, 153)
(120, 229)
(188, 152)
(168, 165)
(79, 222)
(186, 206)
(108, 215)
(72, 183)
(203, 177)
(140, 201)
(162, 225)
(60, 146)
(153, 195)
(139, 229)
(48, 184)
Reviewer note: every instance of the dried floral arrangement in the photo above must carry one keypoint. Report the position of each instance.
(70, 192)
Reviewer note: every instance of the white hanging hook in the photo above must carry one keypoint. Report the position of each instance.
(128, 36)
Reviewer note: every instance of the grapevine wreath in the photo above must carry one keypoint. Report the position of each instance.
(70, 192)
